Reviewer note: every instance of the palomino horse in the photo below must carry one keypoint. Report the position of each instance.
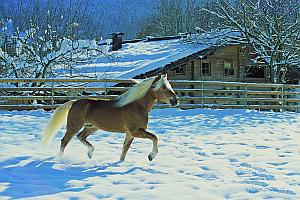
(128, 113)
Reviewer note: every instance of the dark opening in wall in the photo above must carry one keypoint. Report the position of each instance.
(205, 68)
(181, 69)
(255, 72)
(228, 68)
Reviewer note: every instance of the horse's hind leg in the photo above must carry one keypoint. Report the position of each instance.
(74, 125)
(88, 130)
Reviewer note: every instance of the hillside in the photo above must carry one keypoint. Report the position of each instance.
(106, 15)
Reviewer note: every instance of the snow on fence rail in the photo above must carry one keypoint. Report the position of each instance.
(49, 93)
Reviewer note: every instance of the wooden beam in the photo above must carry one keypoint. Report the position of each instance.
(57, 98)
(60, 89)
(58, 80)
(182, 106)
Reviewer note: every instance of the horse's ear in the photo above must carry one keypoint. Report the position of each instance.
(158, 77)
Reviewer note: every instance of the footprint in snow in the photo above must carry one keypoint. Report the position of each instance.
(262, 147)
(278, 164)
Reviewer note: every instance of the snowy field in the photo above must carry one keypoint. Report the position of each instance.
(203, 154)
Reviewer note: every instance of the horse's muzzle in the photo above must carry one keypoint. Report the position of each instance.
(174, 101)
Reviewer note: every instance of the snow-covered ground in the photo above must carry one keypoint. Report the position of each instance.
(203, 154)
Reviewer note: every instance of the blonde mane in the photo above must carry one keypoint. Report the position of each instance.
(138, 91)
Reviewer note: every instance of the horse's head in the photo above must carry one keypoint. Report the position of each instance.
(164, 91)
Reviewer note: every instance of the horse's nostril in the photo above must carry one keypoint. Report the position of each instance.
(174, 101)
(177, 101)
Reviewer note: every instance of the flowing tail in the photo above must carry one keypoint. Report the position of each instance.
(57, 120)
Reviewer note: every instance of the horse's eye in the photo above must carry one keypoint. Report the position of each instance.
(164, 87)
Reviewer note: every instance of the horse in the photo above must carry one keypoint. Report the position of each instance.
(128, 113)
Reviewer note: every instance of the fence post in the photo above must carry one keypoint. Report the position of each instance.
(52, 94)
(246, 96)
(105, 86)
(282, 98)
(202, 94)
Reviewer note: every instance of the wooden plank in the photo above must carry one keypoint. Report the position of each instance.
(59, 89)
(253, 92)
(175, 82)
(219, 106)
(65, 98)
(239, 99)
(57, 98)
(233, 84)
(57, 80)
(122, 89)
(27, 107)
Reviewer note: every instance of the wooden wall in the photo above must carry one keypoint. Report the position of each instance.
(234, 54)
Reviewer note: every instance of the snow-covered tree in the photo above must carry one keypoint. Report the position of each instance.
(272, 27)
(39, 52)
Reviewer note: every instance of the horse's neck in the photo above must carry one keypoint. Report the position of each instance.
(148, 101)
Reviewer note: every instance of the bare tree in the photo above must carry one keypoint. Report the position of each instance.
(272, 27)
(171, 17)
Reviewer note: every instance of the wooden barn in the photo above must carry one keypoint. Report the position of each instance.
(217, 63)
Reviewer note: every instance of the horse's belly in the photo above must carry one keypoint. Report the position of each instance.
(109, 124)
(110, 127)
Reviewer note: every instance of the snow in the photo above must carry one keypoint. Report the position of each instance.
(137, 58)
(203, 154)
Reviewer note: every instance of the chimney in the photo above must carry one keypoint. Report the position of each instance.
(116, 41)
(199, 30)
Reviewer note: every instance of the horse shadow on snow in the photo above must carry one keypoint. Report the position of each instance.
(39, 178)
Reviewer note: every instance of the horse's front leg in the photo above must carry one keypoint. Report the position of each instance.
(142, 133)
(127, 142)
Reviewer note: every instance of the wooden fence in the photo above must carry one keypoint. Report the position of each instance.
(19, 94)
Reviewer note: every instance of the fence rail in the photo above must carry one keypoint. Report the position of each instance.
(21, 94)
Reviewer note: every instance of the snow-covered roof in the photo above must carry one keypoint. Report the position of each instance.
(140, 57)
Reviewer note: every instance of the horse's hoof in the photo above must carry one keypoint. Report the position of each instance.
(150, 157)
(90, 153)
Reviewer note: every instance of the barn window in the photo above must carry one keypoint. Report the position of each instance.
(205, 69)
(255, 72)
(228, 67)
(180, 70)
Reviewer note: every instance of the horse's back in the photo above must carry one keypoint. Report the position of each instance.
(82, 108)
